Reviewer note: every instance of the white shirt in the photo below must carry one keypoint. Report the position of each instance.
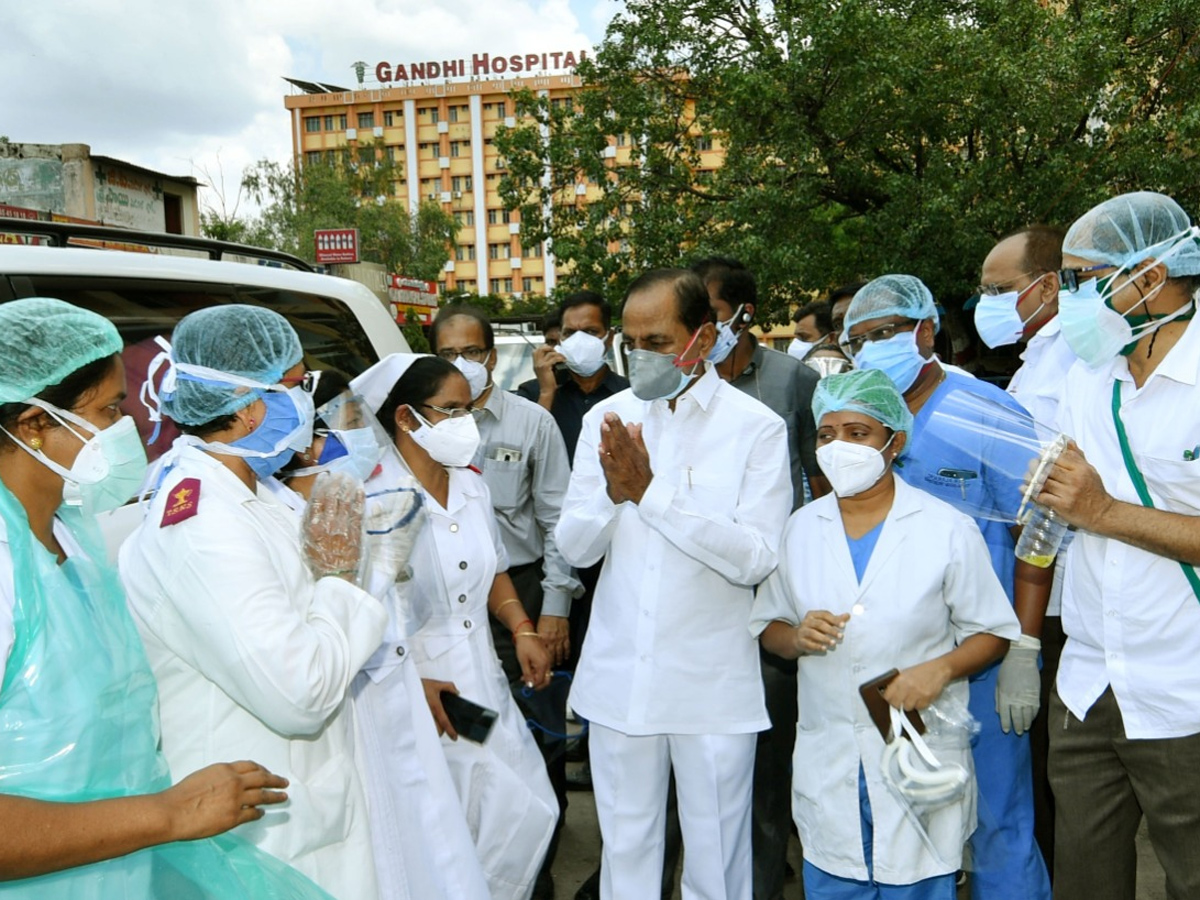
(254, 660)
(1038, 384)
(667, 649)
(524, 462)
(1131, 617)
(928, 586)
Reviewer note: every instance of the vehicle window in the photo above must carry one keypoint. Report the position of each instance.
(141, 309)
(514, 362)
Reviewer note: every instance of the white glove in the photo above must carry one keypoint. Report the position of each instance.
(393, 521)
(1019, 685)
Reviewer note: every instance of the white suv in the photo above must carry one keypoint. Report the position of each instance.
(341, 324)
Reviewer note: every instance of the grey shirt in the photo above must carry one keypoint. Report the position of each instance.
(785, 385)
(524, 462)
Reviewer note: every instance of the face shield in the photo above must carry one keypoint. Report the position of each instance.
(353, 440)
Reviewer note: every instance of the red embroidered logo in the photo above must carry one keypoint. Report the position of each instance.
(183, 503)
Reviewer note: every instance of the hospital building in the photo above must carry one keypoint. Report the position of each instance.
(437, 120)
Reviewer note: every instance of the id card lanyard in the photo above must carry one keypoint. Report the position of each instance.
(1139, 482)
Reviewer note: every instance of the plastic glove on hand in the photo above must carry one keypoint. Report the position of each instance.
(1019, 685)
(331, 530)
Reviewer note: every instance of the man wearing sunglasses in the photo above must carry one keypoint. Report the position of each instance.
(1125, 741)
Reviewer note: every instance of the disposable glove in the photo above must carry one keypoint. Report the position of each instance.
(1019, 685)
(331, 530)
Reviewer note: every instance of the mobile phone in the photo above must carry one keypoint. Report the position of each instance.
(470, 720)
(872, 694)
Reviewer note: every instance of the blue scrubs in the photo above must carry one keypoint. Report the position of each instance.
(954, 467)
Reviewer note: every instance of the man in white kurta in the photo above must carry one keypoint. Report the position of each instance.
(669, 675)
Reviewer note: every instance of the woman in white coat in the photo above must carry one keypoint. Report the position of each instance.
(877, 575)
(254, 642)
(457, 577)
(423, 848)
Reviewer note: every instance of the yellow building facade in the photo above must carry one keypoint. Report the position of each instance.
(442, 137)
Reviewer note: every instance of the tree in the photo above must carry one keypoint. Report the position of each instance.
(859, 136)
(351, 192)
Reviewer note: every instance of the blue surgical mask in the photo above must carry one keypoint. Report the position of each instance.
(898, 358)
(286, 423)
(355, 451)
(727, 338)
(997, 319)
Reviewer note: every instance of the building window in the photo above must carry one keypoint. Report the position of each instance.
(533, 252)
(395, 152)
(498, 251)
(341, 122)
(487, 107)
(461, 183)
(467, 285)
(495, 285)
(506, 285)
(704, 142)
(493, 218)
(366, 120)
(470, 219)
(329, 123)
(622, 140)
(453, 113)
(433, 116)
(527, 285)
(313, 157)
(312, 123)
(470, 252)
(502, 109)
(391, 115)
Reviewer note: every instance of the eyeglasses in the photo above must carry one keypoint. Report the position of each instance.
(474, 354)
(882, 333)
(1069, 278)
(307, 382)
(458, 413)
(997, 288)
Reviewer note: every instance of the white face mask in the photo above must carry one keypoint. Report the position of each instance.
(475, 373)
(451, 442)
(108, 469)
(799, 348)
(851, 468)
(583, 352)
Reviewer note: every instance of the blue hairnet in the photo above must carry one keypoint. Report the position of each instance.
(892, 295)
(867, 391)
(248, 341)
(1127, 229)
(43, 340)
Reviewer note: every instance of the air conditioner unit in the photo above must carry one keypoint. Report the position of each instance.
(432, 196)
(458, 195)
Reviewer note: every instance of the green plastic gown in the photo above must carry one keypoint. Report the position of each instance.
(79, 721)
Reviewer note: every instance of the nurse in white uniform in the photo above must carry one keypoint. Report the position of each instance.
(877, 575)
(423, 848)
(85, 796)
(457, 577)
(254, 643)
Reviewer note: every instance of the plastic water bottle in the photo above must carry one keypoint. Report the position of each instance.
(1044, 529)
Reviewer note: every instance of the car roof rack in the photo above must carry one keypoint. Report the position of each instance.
(60, 234)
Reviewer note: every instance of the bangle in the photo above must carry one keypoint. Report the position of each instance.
(517, 634)
(528, 622)
(505, 603)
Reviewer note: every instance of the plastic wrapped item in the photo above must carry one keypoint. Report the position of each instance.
(393, 521)
(1044, 530)
(79, 722)
(931, 776)
(331, 529)
(976, 454)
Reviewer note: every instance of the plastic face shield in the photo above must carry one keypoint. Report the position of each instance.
(981, 453)
(355, 442)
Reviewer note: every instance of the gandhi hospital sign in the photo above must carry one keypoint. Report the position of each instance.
(483, 65)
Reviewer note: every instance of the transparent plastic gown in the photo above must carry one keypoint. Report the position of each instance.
(79, 721)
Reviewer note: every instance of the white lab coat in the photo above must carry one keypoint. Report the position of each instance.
(254, 660)
(502, 785)
(928, 586)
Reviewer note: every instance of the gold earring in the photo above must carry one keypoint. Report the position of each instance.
(36, 443)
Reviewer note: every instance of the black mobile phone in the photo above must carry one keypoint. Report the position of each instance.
(470, 720)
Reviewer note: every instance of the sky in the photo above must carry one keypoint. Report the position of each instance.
(195, 87)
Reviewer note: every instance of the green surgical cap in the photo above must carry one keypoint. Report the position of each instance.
(249, 341)
(867, 391)
(1127, 229)
(43, 340)
(892, 295)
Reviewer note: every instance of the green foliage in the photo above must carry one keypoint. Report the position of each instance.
(357, 191)
(414, 332)
(860, 136)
